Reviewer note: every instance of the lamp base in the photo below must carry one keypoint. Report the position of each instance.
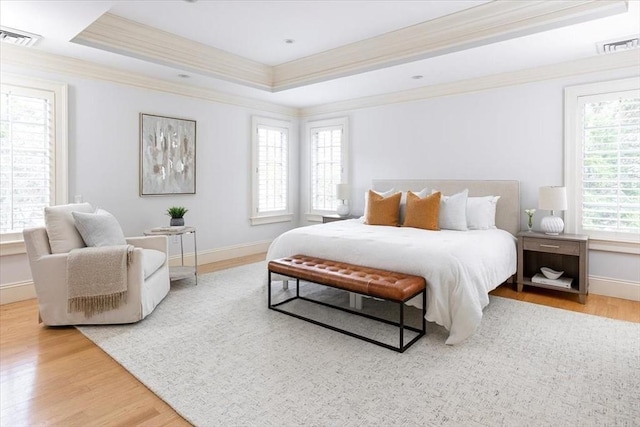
(552, 225)
(343, 210)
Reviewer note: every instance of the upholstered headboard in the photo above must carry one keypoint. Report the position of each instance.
(507, 210)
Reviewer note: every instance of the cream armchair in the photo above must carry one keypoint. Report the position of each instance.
(147, 277)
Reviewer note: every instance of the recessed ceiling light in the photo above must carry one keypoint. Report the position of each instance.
(417, 77)
(184, 76)
(289, 41)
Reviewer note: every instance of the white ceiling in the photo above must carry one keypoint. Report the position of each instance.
(257, 30)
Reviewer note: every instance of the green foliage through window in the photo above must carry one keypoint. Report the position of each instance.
(611, 164)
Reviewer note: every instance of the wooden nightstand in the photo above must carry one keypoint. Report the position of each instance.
(331, 218)
(565, 252)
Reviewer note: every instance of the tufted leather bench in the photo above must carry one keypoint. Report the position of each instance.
(372, 282)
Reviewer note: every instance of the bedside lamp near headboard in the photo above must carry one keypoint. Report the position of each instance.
(343, 193)
(552, 199)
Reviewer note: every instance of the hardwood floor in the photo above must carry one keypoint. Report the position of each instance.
(598, 305)
(56, 376)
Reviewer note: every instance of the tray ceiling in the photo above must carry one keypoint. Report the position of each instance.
(340, 50)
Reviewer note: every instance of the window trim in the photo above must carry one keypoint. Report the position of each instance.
(313, 215)
(13, 243)
(571, 163)
(273, 217)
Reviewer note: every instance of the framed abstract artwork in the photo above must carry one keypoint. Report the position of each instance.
(167, 155)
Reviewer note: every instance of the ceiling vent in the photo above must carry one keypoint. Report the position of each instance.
(18, 37)
(618, 45)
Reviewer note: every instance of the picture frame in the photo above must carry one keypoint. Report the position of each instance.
(167, 155)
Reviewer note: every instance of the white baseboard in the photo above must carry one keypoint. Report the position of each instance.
(18, 291)
(222, 254)
(614, 288)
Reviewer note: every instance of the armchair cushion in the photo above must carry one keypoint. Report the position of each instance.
(61, 229)
(99, 228)
(152, 260)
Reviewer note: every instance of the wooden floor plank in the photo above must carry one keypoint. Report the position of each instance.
(56, 376)
(599, 305)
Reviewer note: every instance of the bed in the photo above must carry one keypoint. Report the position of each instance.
(460, 267)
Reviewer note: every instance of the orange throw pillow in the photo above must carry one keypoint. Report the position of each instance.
(422, 213)
(383, 211)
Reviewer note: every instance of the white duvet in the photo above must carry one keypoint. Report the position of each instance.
(460, 267)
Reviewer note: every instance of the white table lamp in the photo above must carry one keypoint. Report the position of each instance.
(342, 193)
(552, 199)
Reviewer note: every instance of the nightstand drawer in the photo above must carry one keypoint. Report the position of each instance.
(551, 246)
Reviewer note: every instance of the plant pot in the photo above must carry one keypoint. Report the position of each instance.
(176, 222)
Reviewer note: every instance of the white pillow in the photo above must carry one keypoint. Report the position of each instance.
(384, 194)
(481, 212)
(99, 229)
(61, 229)
(422, 194)
(453, 211)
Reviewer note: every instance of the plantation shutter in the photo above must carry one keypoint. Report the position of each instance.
(27, 153)
(272, 169)
(610, 175)
(326, 167)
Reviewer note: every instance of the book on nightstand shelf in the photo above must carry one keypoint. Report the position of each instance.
(562, 282)
(169, 228)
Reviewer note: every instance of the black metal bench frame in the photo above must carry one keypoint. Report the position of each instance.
(400, 324)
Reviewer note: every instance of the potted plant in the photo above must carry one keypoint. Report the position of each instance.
(177, 213)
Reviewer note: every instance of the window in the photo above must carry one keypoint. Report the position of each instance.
(271, 171)
(33, 152)
(603, 160)
(328, 143)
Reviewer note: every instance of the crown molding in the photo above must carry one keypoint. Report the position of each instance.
(484, 24)
(487, 23)
(594, 64)
(32, 58)
(123, 36)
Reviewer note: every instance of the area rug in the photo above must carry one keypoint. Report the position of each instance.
(218, 356)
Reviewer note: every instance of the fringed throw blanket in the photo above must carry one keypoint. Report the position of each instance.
(97, 278)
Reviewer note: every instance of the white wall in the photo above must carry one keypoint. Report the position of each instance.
(508, 133)
(104, 168)
(512, 133)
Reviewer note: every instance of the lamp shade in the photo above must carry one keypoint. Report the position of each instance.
(552, 198)
(342, 191)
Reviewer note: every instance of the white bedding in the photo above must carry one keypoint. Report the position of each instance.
(460, 267)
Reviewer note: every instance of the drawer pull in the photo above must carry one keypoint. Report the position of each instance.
(549, 246)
